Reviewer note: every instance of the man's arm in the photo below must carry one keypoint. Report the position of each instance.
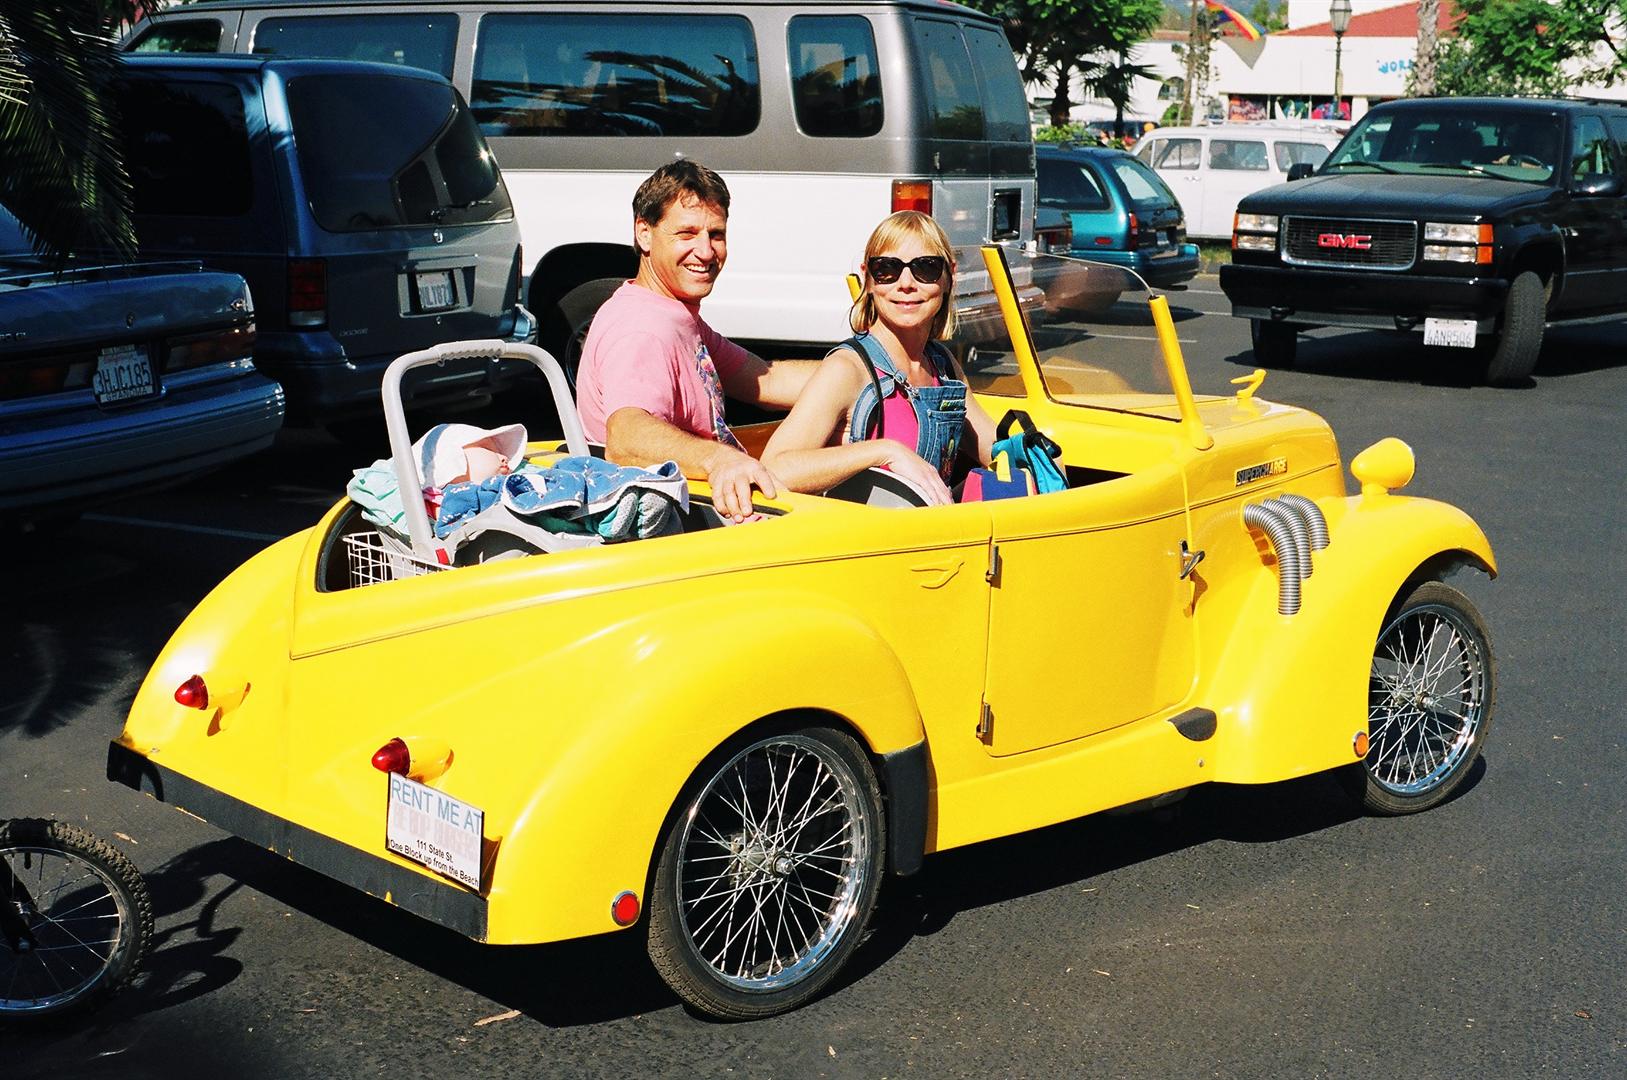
(758, 382)
(634, 437)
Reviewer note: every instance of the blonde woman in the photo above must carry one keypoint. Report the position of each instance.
(891, 396)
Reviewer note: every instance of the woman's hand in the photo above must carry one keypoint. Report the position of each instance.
(902, 461)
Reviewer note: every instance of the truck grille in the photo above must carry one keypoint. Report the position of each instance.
(1380, 245)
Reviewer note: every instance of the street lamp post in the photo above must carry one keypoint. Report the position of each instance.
(1339, 19)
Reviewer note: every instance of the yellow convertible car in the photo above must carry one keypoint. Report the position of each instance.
(727, 737)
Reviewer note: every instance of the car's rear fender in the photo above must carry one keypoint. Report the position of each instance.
(1291, 690)
(591, 820)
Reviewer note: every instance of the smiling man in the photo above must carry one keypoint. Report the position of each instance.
(653, 374)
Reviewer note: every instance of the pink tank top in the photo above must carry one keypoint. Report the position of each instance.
(898, 417)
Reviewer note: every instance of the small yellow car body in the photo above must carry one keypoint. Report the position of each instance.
(1043, 658)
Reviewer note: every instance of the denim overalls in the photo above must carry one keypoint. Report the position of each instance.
(940, 410)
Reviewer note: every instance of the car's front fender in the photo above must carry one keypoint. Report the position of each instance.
(1291, 690)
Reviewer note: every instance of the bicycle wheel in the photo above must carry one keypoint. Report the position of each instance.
(75, 920)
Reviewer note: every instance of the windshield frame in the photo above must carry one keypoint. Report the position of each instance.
(1347, 156)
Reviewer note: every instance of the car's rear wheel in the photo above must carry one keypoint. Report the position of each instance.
(1275, 343)
(1525, 312)
(768, 874)
(1429, 702)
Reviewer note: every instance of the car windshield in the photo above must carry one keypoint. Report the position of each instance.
(1095, 342)
(1504, 143)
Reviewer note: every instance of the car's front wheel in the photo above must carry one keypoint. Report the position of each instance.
(1275, 343)
(1525, 311)
(768, 874)
(1429, 702)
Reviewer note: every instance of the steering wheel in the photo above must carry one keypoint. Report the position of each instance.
(1525, 159)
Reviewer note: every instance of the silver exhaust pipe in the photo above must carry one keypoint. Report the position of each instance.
(1280, 526)
(1312, 515)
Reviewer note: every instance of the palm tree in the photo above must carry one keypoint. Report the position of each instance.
(61, 173)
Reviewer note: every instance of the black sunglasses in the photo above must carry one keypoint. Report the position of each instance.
(927, 269)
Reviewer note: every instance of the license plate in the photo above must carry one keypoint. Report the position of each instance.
(432, 828)
(435, 291)
(1458, 333)
(123, 373)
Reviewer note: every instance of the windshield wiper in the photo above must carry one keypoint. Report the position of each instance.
(1379, 165)
(1459, 165)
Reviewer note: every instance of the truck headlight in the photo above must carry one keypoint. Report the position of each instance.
(1458, 243)
(1259, 223)
(1245, 242)
(1445, 232)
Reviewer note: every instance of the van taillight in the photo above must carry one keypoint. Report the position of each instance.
(307, 293)
(912, 195)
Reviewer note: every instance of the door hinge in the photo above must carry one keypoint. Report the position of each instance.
(985, 723)
(992, 576)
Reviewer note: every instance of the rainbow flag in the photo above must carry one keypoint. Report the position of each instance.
(1227, 13)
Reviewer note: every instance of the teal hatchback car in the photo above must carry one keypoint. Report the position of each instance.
(1123, 213)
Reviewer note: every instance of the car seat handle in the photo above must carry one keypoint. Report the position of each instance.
(407, 476)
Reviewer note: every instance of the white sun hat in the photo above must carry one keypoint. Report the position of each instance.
(439, 454)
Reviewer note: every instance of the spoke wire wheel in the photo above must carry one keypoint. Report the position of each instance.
(77, 920)
(1430, 697)
(769, 875)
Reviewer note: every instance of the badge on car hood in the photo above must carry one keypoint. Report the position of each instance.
(1274, 467)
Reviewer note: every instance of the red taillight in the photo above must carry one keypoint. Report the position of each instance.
(1135, 226)
(193, 693)
(307, 292)
(217, 346)
(912, 195)
(624, 909)
(393, 757)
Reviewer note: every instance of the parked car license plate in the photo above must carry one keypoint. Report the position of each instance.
(435, 290)
(1455, 332)
(123, 373)
(432, 828)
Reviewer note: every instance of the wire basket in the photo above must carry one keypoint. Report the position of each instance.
(375, 557)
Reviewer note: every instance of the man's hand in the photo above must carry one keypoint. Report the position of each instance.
(732, 474)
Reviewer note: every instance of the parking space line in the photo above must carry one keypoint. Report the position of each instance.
(1138, 337)
(203, 530)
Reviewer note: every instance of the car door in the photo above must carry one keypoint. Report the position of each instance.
(1235, 167)
(1089, 627)
(1177, 161)
(1595, 225)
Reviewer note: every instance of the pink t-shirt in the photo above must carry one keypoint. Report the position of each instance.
(651, 352)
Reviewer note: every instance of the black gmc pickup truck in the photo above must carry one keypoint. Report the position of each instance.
(1475, 221)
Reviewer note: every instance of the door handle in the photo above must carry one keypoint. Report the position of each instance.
(937, 575)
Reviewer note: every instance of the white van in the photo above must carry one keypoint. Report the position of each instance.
(1211, 168)
(823, 116)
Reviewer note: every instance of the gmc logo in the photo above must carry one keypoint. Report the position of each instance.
(1352, 241)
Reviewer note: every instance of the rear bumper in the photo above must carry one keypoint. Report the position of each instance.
(443, 903)
(1172, 269)
(62, 451)
(324, 382)
(1371, 300)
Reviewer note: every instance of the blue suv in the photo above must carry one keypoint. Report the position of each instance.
(1123, 213)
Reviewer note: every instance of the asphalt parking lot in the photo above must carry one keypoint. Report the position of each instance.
(1255, 932)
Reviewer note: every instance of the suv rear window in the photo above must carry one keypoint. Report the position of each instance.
(1068, 185)
(1141, 183)
(426, 41)
(172, 127)
(835, 81)
(184, 36)
(616, 75)
(427, 166)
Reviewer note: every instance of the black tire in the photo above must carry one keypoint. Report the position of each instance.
(77, 920)
(1430, 699)
(565, 325)
(1274, 343)
(803, 890)
(1519, 341)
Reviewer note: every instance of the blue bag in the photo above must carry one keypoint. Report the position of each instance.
(1030, 450)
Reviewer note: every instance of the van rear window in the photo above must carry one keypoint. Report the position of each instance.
(835, 79)
(186, 147)
(427, 166)
(426, 41)
(951, 87)
(615, 75)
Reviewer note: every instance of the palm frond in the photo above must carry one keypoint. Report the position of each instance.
(61, 172)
